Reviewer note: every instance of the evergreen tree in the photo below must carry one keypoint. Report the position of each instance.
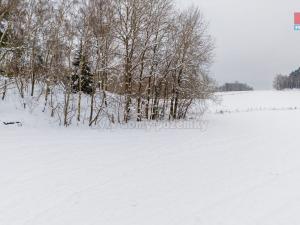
(295, 73)
(82, 79)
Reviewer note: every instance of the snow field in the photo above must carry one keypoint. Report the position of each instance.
(242, 167)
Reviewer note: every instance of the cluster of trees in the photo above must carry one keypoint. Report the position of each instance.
(236, 86)
(143, 58)
(287, 82)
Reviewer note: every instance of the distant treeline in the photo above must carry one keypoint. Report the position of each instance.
(236, 86)
(287, 82)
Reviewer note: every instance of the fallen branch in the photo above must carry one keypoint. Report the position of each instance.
(12, 123)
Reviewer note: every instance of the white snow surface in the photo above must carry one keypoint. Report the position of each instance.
(241, 168)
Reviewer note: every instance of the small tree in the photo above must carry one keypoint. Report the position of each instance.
(82, 79)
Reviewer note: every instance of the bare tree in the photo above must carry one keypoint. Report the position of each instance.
(146, 59)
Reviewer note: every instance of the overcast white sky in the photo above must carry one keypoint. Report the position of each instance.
(255, 39)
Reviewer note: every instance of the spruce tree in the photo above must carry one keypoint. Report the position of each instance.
(82, 75)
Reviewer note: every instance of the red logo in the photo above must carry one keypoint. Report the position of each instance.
(297, 18)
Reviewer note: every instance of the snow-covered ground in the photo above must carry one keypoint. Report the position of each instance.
(241, 168)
